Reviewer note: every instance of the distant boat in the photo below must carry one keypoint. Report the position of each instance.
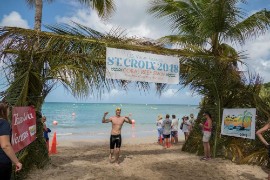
(153, 107)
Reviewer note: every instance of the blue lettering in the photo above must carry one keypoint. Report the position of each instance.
(118, 62)
(141, 64)
(152, 65)
(110, 60)
(125, 62)
(134, 63)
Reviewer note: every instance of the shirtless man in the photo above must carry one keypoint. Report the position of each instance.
(115, 140)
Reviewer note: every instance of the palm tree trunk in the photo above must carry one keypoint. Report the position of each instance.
(38, 14)
(217, 126)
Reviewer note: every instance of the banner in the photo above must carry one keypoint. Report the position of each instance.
(23, 127)
(239, 122)
(139, 66)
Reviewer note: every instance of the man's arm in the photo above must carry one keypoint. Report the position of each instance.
(104, 120)
(128, 120)
(261, 131)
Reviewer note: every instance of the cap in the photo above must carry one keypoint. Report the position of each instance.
(118, 109)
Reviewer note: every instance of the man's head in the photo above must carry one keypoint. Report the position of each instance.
(167, 116)
(173, 116)
(118, 111)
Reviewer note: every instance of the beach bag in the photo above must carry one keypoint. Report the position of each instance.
(181, 126)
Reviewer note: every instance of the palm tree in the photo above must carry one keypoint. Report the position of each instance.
(104, 8)
(206, 27)
(76, 58)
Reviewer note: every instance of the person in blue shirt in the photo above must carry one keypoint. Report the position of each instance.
(7, 154)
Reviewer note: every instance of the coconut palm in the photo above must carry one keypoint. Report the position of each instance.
(210, 26)
(104, 8)
(76, 58)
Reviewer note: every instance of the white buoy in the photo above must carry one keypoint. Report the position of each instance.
(55, 123)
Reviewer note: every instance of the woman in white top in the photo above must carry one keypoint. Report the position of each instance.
(160, 129)
(186, 127)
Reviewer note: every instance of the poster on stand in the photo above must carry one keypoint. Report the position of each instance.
(239, 123)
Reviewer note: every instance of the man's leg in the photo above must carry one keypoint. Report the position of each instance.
(117, 154)
(111, 155)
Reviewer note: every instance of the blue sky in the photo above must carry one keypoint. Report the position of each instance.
(130, 15)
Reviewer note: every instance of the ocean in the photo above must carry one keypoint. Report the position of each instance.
(82, 121)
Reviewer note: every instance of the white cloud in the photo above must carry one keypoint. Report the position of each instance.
(84, 17)
(170, 93)
(113, 93)
(259, 56)
(130, 15)
(14, 19)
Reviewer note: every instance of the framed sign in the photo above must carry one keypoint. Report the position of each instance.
(239, 123)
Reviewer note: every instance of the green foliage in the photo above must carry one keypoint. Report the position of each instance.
(204, 28)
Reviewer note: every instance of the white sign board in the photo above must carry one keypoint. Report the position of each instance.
(139, 66)
(239, 122)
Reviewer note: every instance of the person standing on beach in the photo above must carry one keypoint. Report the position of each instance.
(45, 131)
(167, 125)
(192, 121)
(7, 154)
(207, 128)
(260, 136)
(116, 139)
(160, 129)
(174, 132)
(186, 127)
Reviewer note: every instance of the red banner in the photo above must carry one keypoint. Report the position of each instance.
(23, 127)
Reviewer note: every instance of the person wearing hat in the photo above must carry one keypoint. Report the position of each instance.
(116, 139)
(160, 129)
(192, 121)
(186, 126)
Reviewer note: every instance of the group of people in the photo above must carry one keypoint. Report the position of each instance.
(169, 128)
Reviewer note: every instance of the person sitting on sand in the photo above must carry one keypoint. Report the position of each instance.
(260, 136)
(174, 132)
(167, 124)
(160, 129)
(116, 139)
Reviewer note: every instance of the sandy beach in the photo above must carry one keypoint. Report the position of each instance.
(140, 159)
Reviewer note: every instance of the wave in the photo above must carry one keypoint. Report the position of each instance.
(64, 134)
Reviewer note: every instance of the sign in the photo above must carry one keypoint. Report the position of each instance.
(23, 127)
(239, 123)
(139, 66)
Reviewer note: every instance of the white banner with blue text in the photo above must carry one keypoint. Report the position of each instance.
(239, 123)
(139, 66)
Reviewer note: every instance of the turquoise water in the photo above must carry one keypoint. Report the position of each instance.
(83, 120)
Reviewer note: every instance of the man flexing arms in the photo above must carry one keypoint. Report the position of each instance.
(116, 139)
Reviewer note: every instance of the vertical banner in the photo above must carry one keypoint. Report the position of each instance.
(139, 66)
(239, 123)
(23, 127)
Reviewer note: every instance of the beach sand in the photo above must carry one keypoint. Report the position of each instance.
(140, 159)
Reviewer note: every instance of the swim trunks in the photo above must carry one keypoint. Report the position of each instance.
(115, 141)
